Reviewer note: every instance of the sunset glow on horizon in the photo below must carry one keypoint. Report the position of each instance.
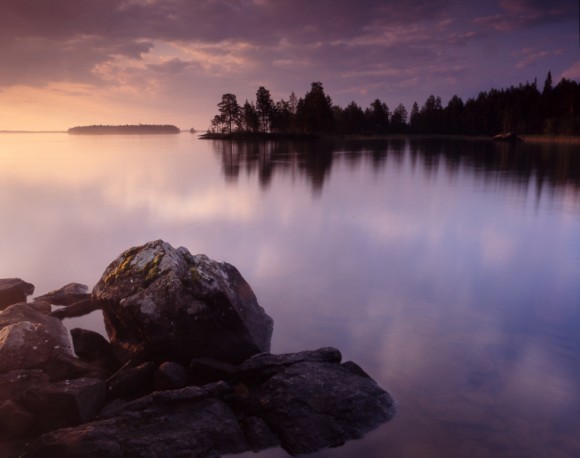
(78, 62)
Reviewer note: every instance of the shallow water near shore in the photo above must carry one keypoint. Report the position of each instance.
(448, 270)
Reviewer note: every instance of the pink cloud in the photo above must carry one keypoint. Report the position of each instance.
(572, 72)
(531, 56)
(516, 14)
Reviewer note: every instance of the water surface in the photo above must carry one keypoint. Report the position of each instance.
(450, 271)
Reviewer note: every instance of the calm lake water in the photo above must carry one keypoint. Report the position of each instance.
(450, 271)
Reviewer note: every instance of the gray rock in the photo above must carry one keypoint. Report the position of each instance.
(303, 405)
(30, 339)
(14, 290)
(33, 340)
(92, 347)
(170, 376)
(263, 366)
(67, 295)
(132, 382)
(77, 309)
(15, 420)
(163, 304)
(202, 322)
(65, 403)
(14, 385)
(314, 405)
(29, 403)
(40, 306)
(207, 370)
(158, 426)
(259, 434)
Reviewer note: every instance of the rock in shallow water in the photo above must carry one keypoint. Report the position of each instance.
(201, 320)
(163, 304)
(299, 401)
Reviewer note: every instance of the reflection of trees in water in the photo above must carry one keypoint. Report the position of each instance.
(551, 165)
(313, 159)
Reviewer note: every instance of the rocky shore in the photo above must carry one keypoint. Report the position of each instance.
(186, 370)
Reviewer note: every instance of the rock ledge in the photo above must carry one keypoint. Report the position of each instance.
(186, 371)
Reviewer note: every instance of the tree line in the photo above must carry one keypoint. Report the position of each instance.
(125, 129)
(523, 109)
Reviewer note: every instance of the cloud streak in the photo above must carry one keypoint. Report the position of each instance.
(400, 50)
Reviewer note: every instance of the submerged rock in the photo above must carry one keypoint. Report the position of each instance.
(163, 304)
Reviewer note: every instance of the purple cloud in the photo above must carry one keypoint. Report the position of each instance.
(397, 50)
(516, 14)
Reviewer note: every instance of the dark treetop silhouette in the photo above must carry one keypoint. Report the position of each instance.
(554, 110)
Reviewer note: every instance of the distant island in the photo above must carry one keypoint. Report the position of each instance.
(126, 129)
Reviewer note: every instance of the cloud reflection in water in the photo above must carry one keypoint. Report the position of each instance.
(448, 270)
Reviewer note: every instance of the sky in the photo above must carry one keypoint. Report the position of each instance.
(76, 62)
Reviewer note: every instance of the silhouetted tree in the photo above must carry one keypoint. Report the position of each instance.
(399, 119)
(281, 118)
(264, 108)
(292, 103)
(377, 116)
(354, 121)
(230, 110)
(548, 84)
(314, 112)
(522, 109)
(414, 121)
(250, 121)
(453, 116)
(218, 124)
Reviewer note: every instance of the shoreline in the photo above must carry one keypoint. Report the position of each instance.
(125, 129)
(556, 139)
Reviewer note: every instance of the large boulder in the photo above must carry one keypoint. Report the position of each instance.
(14, 290)
(164, 304)
(310, 400)
(31, 404)
(183, 423)
(15, 384)
(30, 339)
(64, 403)
(304, 402)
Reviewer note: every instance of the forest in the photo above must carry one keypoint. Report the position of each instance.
(524, 109)
(125, 129)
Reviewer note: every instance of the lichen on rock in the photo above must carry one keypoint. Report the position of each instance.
(179, 306)
(187, 371)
